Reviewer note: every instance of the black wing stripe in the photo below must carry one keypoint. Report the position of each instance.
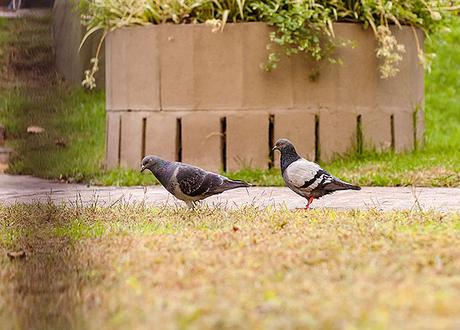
(317, 175)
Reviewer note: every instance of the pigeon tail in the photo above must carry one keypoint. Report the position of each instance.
(338, 184)
(353, 187)
(233, 184)
(350, 186)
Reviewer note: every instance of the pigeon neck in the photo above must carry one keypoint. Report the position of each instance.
(162, 173)
(287, 158)
(158, 167)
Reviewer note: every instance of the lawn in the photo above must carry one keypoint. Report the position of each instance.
(72, 148)
(135, 267)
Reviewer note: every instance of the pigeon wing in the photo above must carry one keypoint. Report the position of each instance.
(195, 182)
(303, 174)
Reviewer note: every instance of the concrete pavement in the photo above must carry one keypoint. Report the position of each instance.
(26, 189)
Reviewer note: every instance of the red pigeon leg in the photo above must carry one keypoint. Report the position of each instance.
(310, 200)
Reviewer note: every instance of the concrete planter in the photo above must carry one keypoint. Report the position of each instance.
(183, 92)
(67, 35)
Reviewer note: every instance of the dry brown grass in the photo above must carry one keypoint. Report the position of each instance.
(132, 267)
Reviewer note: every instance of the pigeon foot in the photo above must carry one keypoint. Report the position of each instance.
(310, 200)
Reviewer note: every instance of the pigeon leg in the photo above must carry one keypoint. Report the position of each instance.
(310, 200)
(190, 205)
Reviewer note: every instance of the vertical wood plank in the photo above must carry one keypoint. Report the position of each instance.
(133, 69)
(112, 144)
(404, 131)
(247, 141)
(299, 128)
(160, 135)
(376, 129)
(218, 72)
(131, 140)
(201, 140)
(420, 127)
(337, 133)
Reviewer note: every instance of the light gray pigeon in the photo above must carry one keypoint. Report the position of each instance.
(186, 182)
(306, 178)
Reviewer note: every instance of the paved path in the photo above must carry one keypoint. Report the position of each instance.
(26, 12)
(25, 189)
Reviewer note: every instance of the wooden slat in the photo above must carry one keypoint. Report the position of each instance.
(218, 72)
(131, 140)
(420, 127)
(299, 128)
(160, 135)
(376, 129)
(404, 131)
(201, 140)
(177, 70)
(133, 71)
(262, 89)
(112, 145)
(337, 133)
(247, 141)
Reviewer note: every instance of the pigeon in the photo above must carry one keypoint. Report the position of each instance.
(306, 178)
(189, 183)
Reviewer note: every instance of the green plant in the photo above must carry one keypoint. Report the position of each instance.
(300, 25)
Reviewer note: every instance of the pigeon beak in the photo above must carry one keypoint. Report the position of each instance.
(143, 168)
(274, 148)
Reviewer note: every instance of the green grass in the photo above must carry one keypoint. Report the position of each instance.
(72, 149)
(131, 267)
(73, 132)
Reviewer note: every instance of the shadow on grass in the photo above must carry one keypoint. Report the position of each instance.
(39, 281)
(41, 290)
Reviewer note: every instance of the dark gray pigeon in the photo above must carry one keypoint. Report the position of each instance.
(188, 183)
(306, 178)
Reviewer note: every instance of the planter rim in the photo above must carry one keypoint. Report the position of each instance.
(153, 26)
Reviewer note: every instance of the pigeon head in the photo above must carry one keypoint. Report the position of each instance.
(288, 153)
(284, 146)
(152, 163)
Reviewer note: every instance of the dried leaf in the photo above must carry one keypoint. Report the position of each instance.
(60, 142)
(16, 254)
(35, 130)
